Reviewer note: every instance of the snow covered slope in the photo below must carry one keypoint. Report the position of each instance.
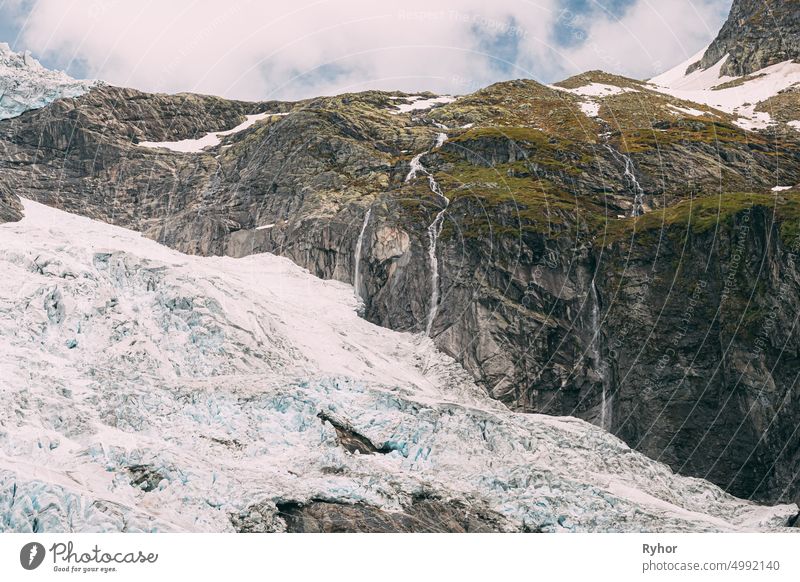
(739, 96)
(25, 84)
(146, 390)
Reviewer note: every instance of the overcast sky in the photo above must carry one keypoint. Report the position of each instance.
(288, 49)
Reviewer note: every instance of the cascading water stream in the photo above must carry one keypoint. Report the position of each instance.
(633, 181)
(434, 230)
(605, 415)
(359, 247)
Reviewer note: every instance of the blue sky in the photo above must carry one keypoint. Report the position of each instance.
(299, 48)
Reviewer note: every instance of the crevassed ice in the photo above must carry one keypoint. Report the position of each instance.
(25, 84)
(210, 372)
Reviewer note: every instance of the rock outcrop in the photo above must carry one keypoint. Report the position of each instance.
(423, 516)
(10, 208)
(757, 34)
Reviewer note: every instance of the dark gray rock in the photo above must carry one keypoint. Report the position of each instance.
(145, 477)
(795, 521)
(422, 516)
(349, 439)
(10, 207)
(757, 34)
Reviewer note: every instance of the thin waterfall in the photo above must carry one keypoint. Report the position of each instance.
(359, 247)
(597, 360)
(434, 230)
(633, 181)
(415, 166)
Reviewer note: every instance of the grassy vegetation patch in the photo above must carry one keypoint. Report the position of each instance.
(521, 103)
(686, 131)
(704, 213)
(511, 203)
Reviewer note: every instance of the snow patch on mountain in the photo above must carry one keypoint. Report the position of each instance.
(677, 78)
(590, 108)
(25, 84)
(737, 96)
(599, 90)
(688, 110)
(146, 390)
(209, 140)
(418, 103)
(593, 93)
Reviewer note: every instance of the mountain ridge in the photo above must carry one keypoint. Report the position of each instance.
(553, 294)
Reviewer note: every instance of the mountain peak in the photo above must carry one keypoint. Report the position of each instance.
(757, 34)
(25, 84)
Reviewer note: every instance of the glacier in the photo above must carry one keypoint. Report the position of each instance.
(25, 84)
(146, 390)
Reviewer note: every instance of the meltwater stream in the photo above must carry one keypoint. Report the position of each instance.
(359, 247)
(434, 230)
(597, 361)
(630, 176)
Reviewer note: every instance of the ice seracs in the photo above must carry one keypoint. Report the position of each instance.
(146, 390)
(25, 84)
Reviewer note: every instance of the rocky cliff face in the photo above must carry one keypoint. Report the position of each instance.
(757, 34)
(673, 329)
(701, 344)
(10, 209)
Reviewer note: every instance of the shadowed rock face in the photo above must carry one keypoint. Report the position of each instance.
(145, 477)
(424, 516)
(350, 440)
(10, 208)
(549, 299)
(757, 34)
(795, 521)
(710, 385)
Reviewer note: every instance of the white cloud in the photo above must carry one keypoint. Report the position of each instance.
(651, 37)
(299, 48)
